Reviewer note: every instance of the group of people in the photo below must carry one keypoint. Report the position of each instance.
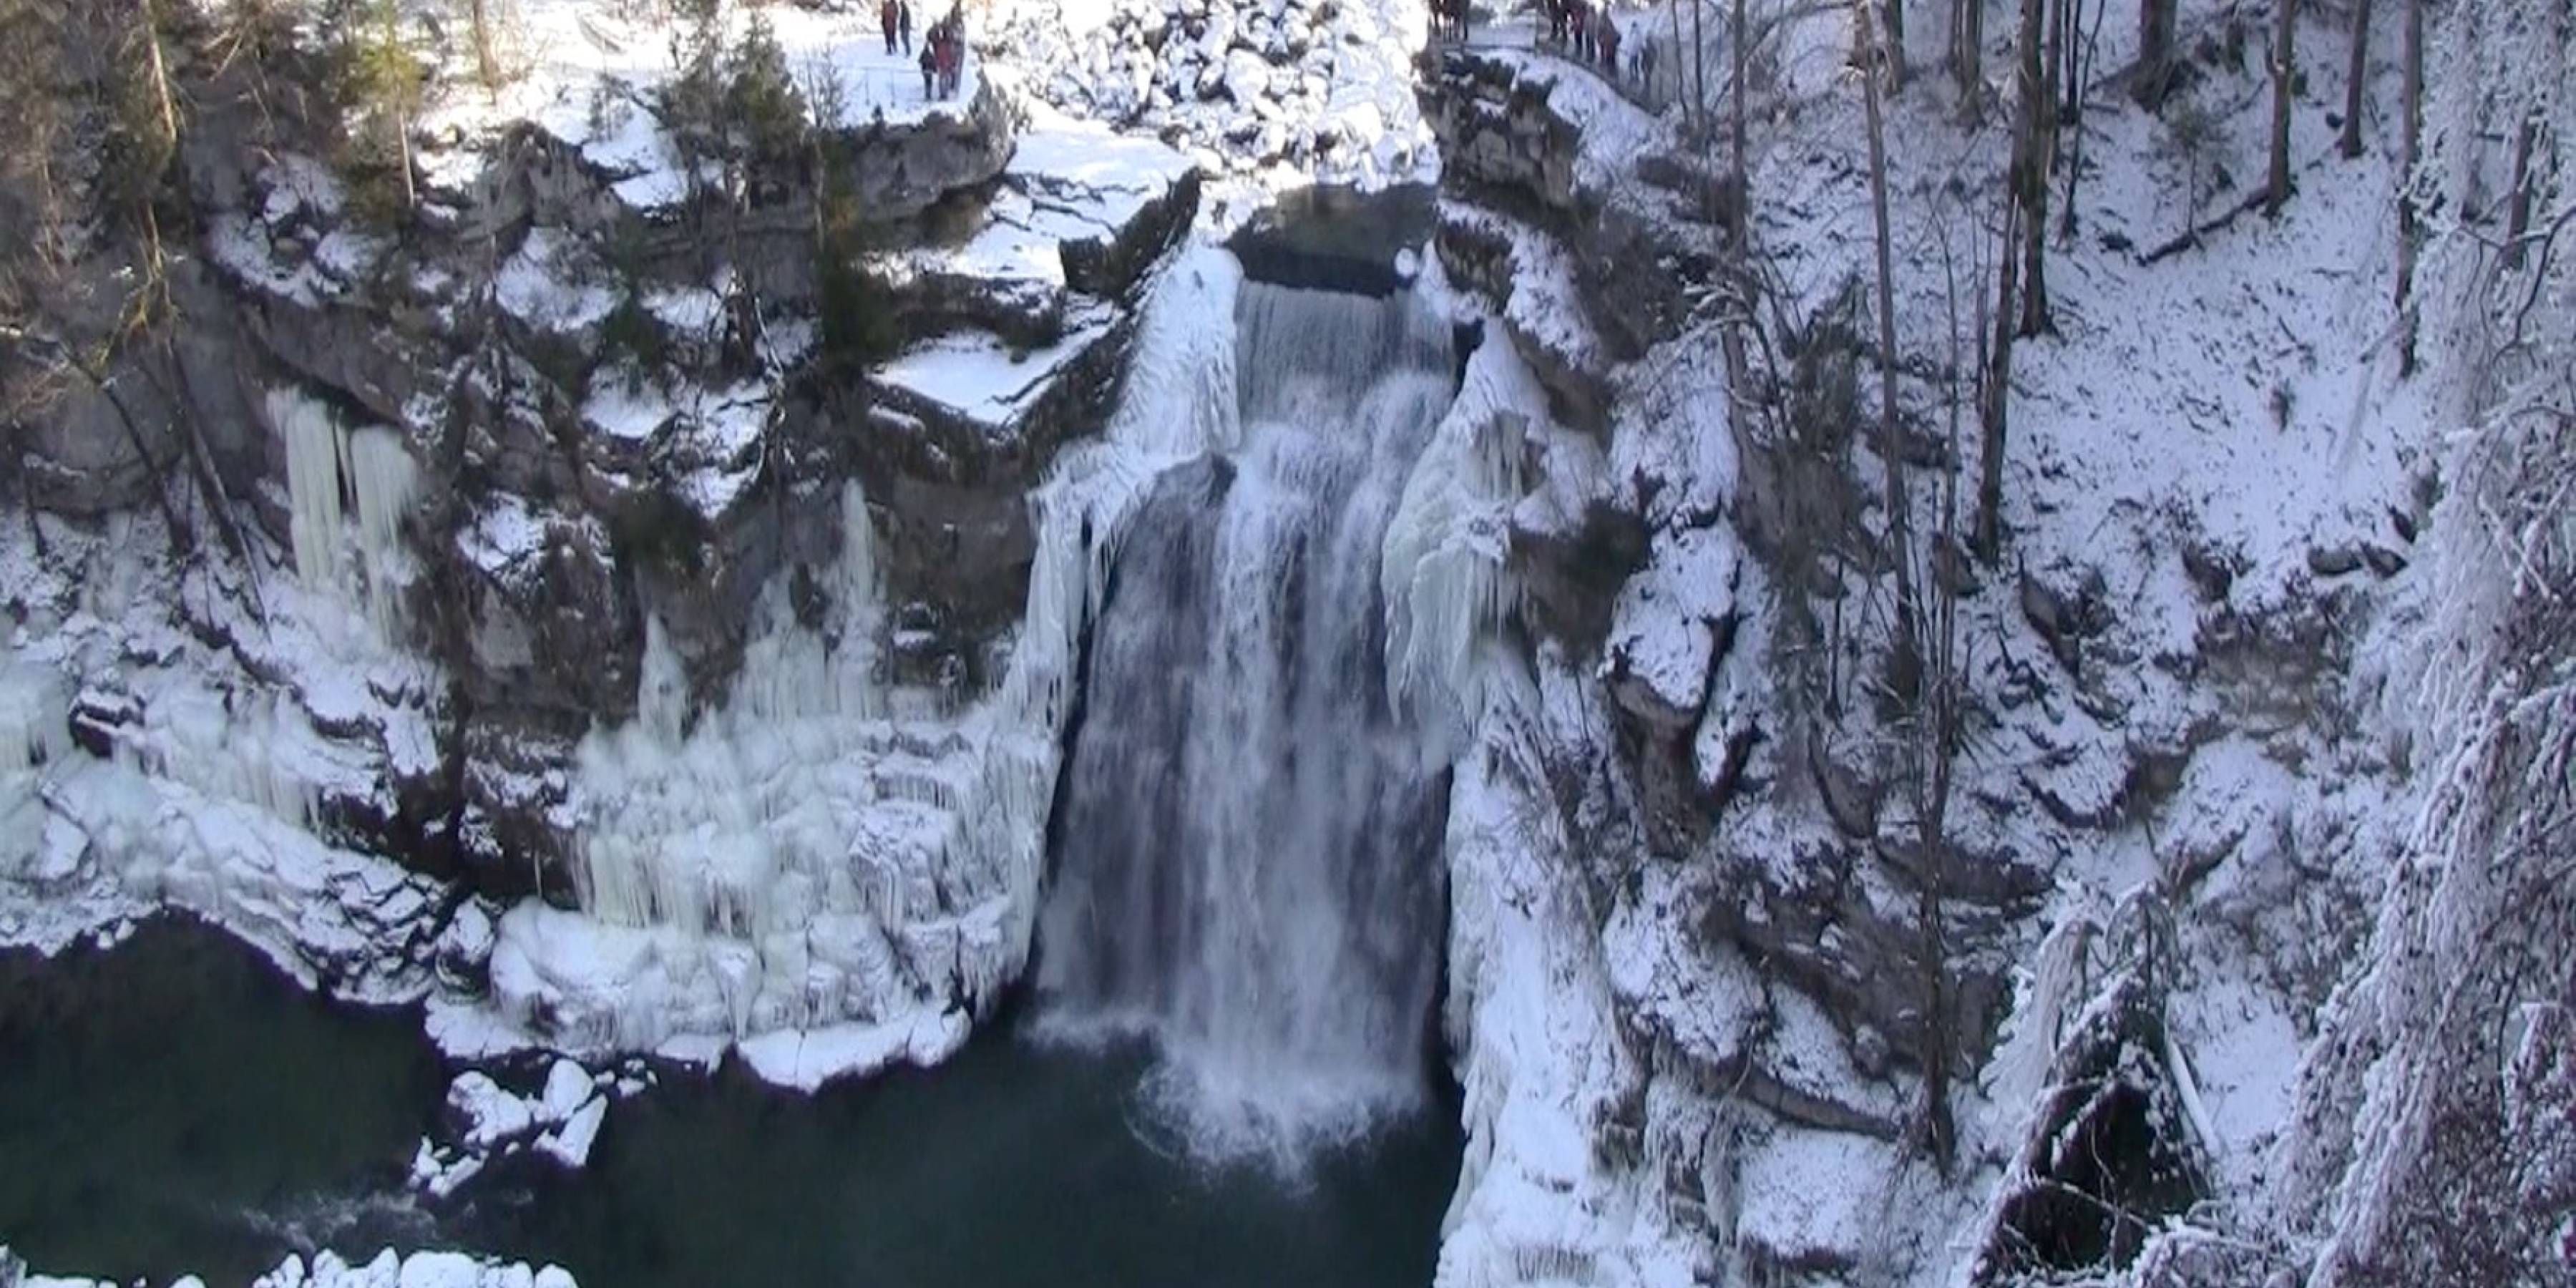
(1449, 20)
(1589, 33)
(943, 56)
(896, 15)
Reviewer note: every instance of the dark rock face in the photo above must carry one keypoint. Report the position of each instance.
(1336, 239)
(1639, 247)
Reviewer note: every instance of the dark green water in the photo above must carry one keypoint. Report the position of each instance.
(196, 1112)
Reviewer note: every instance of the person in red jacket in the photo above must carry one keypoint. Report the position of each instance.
(885, 19)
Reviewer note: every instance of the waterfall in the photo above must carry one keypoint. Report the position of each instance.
(1249, 868)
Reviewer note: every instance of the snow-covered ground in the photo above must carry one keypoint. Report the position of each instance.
(389, 1269)
(589, 76)
(1266, 95)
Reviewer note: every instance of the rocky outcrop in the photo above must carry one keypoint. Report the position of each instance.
(619, 403)
(1545, 142)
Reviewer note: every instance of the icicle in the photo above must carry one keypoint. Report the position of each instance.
(382, 480)
(34, 716)
(312, 442)
(376, 472)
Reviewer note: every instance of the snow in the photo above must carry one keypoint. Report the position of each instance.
(585, 75)
(389, 1269)
(569, 1143)
(554, 284)
(1265, 96)
(826, 872)
(985, 380)
(492, 1113)
(1444, 568)
(1663, 626)
(806, 1059)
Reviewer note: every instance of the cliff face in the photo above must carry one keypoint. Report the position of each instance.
(1709, 921)
(547, 455)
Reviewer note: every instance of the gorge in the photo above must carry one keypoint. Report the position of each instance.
(1271, 646)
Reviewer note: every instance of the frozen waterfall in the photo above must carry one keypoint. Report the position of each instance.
(1249, 869)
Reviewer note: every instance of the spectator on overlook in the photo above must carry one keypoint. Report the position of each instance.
(903, 22)
(929, 65)
(885, 19)
(1607, 37)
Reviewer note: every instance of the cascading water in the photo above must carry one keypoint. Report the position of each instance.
(1250, 869)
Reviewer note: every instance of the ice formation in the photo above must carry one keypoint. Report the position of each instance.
(829, 870)
(368, 466)
(1446, 578)
(1249, 874)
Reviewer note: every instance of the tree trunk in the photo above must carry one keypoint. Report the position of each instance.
(2356, 81)
(1900, 547)
(1968, 54)
(2080, 70)
(2283, 53)
(160, 78)
(1699, 60)
(2155, 51)
(1895, 44)
(2410, 137)
(1742, 213)
(486, 67)
(2517, 211)
(1675, 7)
(1995, 391)
(2035, 147)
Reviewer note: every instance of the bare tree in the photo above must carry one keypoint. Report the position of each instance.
(2033, 151)
(2155, 52)
(2410, 140)
(2283, 57)
(2028, 172)
(1890, 444)
(1742, 210)
(2517, 216)
(487, 64)
(2356, 79)
(1935, 747)
(2079, 74)
(1967, 56)
(1895, 44)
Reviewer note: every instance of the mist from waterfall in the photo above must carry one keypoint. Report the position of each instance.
(1248, 868)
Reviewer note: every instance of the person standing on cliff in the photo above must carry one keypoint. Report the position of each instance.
(929, 65)
(903, 22)
(885, 19)
(1607, 37)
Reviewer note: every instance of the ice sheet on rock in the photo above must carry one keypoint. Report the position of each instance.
(1546, 306)
(1445, 572)
(428, 1269)
(553, 284)
(983, 378)
(1541, 1059)
(492, 1113)
(1808, 1196)
(569, 1143)
(820, 872)
(1664, 626)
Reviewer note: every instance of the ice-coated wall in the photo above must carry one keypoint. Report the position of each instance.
(828, 869)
